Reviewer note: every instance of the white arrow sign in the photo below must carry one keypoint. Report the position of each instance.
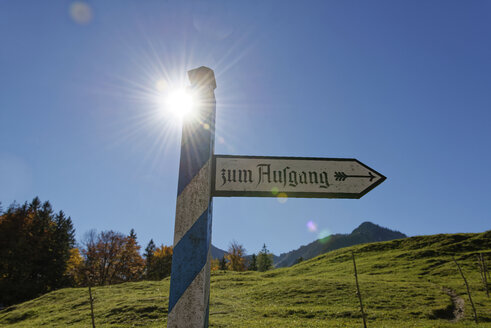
(264, 176)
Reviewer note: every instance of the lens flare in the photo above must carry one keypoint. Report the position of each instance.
(282, 197)
(81, 12)
(312, 226)
(324, 236)
(161, 85)
(275, 191)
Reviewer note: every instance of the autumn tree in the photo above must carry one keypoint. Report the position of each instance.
(130, 264)
(264, 260)
(35, 247)
(74, 268)
(158, 261)
(214, 264)
(235, 257)
(101, 255)
(110, 257)
(162, 262)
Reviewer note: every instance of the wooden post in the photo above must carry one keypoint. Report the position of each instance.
(358, 292)
(189, 296)
(484, 273)
(91, 306)
(481, 269)
(468, 290)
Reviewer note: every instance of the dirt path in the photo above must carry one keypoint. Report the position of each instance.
(458, 303)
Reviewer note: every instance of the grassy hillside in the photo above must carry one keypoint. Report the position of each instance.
(402, 283)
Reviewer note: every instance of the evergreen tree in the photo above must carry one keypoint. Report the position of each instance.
(223, 264)
(149, 259)
(62, 243)
(253, 263)
(34, 250)
(298, 260)
(264, 260)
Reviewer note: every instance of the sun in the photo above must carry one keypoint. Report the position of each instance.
(179, 103)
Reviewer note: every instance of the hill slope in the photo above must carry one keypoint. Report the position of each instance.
(401, 283)
(367, 232)
(217, 253)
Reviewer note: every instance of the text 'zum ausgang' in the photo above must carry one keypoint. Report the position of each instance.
(266, 175)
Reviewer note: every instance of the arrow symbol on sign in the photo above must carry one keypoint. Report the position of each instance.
(341, 176)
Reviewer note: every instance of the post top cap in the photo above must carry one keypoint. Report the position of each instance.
(202, 76)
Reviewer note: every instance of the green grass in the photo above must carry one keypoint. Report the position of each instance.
(401, 283)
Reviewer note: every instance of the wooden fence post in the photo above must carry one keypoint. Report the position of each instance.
(358, 291)
(484, 273)
(468, 290)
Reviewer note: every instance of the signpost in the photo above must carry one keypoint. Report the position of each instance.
(310, 177)
(203, 175)
(190, 277)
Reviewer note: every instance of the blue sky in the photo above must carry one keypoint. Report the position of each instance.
(403, 86)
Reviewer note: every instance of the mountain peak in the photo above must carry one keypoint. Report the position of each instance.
(367, 232)
(374, 232)
(367, 226)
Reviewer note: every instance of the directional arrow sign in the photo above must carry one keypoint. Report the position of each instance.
(264, 176)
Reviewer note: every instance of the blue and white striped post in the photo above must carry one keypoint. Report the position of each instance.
(190, 278)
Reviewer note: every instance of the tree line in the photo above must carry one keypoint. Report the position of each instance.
(236, 260)
(109, 257)
(39, 254)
